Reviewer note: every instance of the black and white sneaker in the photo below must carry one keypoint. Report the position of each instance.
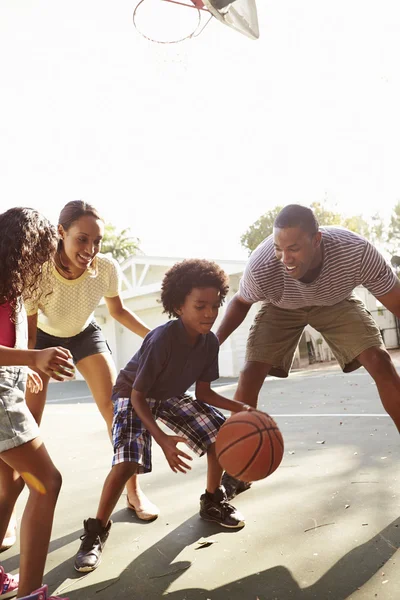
(93, 540)
(215, 507)
(233, 486)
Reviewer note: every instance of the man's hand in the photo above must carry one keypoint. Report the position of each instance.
(55, 363)
(173, 454)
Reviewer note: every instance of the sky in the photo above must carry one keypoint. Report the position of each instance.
(188, 144)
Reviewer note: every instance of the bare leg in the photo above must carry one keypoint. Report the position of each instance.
(379, 365)
(100, 375)
(214, 471)
(112, 490)
(36, 402)
(11, 485)
(250, 382)
(44, 482)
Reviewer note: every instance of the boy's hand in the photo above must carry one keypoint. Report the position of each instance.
(55, 363)
(173, 454)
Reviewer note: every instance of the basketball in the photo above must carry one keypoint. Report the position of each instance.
(249, 445)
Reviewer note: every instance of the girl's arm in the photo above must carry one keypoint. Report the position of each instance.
(52, 361)
(124, 316)
(204, 393)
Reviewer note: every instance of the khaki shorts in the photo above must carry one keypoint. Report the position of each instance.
(347, 327)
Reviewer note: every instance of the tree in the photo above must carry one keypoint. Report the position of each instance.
(119, 243)
(263, 227)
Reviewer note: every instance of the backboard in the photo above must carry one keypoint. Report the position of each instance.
(238, 14)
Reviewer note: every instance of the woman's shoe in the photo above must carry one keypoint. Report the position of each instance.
(148, 512)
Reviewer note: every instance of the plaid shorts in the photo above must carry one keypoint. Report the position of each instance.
(196, 421)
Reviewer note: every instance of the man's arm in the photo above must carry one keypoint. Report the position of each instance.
(235, 314)
(392, 299)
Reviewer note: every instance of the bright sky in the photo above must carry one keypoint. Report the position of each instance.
(189, 144)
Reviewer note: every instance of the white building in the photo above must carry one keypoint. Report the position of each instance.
(142, 276)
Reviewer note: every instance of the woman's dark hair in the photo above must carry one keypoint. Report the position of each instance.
(295, 215)
(27, 241)
(180, 279)
(71, 213)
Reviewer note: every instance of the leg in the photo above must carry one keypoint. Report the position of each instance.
(99, 373)
(11, 485)
(97, 530)
(113, 488)
(214, 470)
(379, 365)
(250, 382)
(213, 504)
(36, 402)
(32, 460)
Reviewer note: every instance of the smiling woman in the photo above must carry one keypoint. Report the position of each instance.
(62, 314)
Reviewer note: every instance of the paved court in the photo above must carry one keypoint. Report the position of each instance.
(324, 526)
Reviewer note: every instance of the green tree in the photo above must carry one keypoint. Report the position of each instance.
(262, 228)
(120, 244)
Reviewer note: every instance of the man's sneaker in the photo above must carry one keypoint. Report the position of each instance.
(41, 594)
(8, 585)
(214, 507)
(93, 540)
(233, 486)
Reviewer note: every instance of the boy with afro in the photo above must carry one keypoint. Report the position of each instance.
(153, 386)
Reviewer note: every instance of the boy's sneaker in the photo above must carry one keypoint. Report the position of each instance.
(233, 486)
(8, 585)
(93, 540)
(41, 594)
(215, 507)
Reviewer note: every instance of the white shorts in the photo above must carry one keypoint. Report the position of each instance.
(17, 425)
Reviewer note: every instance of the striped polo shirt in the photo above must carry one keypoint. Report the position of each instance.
(349, 261)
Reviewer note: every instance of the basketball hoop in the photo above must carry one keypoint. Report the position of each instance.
(240, 15)
(170, 24)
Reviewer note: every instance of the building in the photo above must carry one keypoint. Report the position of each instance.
(142, 276)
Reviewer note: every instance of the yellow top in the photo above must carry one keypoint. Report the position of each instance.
(65, 307)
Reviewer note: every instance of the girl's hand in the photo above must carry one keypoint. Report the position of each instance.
(55, 362)
(34, 382)
(173, 454)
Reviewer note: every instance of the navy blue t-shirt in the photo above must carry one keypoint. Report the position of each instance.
(166, 365)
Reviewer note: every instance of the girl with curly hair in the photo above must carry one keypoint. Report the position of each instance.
(27, 241)
(153, 386)
(72, 286)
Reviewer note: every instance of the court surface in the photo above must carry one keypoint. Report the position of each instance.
(324, 526)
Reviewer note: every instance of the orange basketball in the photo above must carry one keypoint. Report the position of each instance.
(249, 445)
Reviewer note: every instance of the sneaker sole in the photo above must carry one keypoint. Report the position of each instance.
(87, 569)
(239, 526)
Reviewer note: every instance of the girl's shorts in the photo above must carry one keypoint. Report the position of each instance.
(89, 341)
(196, 421)
(17, 425)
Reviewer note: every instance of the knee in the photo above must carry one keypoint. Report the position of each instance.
(49, 485)
(377, 362)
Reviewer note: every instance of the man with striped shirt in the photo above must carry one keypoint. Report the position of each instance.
(306, 274)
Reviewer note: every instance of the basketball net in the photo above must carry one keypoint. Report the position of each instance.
(173, 21)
